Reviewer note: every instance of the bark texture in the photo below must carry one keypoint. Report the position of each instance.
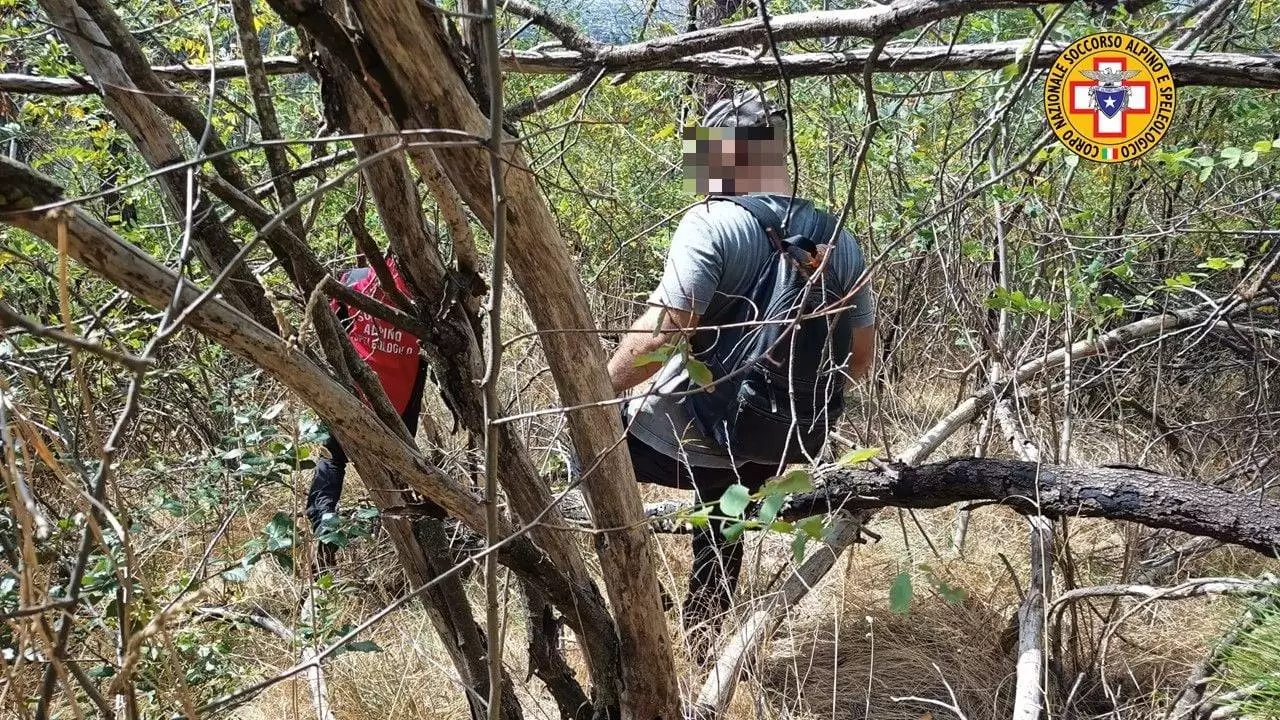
(405, 56)
(1118, 493)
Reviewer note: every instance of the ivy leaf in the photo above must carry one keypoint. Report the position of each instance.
(735, 500)
(900, 593)
(698, 371)
(853, 457)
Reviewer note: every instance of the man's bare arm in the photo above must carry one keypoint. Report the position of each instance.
(645, 337)
(861, 350)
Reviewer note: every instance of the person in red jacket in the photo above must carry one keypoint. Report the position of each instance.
(394, 355)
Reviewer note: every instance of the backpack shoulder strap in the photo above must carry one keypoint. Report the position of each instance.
(760, 210)
(764, 215)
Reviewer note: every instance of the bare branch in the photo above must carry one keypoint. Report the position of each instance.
(1217, 69)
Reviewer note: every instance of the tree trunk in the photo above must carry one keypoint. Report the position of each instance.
(407, 58)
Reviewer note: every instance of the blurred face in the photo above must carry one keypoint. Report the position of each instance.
(730, 161)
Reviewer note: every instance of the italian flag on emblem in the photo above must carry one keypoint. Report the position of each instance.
(1109, 153)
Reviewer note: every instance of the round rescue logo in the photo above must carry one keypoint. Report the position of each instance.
(1109, 97)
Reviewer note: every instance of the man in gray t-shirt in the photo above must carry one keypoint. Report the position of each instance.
(717, 253)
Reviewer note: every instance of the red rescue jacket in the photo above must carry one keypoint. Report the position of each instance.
(390, 352)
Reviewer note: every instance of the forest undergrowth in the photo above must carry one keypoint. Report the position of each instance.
(847, 651)
(181, 186)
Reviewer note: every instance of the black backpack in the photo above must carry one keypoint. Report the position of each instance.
(777, 385)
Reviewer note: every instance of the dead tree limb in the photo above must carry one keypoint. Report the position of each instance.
(1128, 494)
(1217, 69)
(1220, 69)
(449, 337)
(1030, 687)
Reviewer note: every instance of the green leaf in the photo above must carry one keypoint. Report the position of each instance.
(950, 593)
(279, 532)
(1249, 158)
(853, 457)
(1110, 303)
(974, 250)
(363, 646)
(1262, 146)
(1179, 281)
(735, 500)
(900, 593)
(734, 531)
(698, 371)
(1218, 263)
(1231, 155)
(661, 355)
(700, 518)
(813, 527)
(769, 509)
(798, 544)
(793, 481)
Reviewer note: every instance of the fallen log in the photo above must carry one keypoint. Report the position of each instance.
(1117, 493)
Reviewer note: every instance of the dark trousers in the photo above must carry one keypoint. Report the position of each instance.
(717, 562)
(326, 486)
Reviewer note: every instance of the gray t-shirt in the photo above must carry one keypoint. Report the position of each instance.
(716, 255)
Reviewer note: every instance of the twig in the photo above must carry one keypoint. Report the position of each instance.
(493, 362)
(10, 319)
